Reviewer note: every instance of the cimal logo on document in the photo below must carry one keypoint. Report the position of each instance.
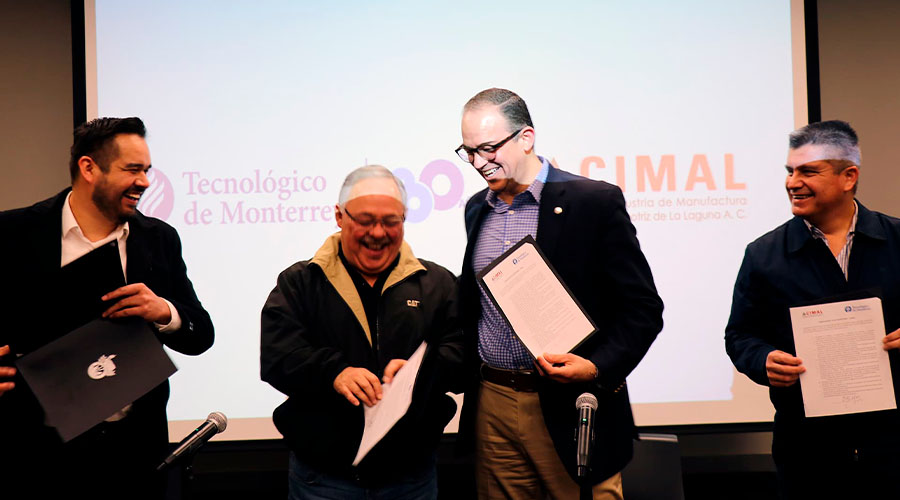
(814, 312)
(159, 199)
(103, 367)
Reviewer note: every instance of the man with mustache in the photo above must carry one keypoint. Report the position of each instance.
(833, 249)
(339, 325)
(108, 164)
(520, 412)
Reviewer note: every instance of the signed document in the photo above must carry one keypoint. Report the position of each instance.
(847, 370)
(395, 401)
(534, 301)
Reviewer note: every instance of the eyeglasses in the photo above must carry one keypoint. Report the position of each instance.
(367, 221)
(486, 151)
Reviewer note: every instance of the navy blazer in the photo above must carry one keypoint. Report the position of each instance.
(586, 234)
(787, 267)
(30, 258)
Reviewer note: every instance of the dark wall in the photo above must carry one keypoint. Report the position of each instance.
(859, 63)
(35, 99)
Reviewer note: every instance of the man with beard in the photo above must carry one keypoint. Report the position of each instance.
(108, 165)
(520, 412)
(339, 324)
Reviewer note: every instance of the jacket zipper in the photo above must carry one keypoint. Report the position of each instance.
(377, 333)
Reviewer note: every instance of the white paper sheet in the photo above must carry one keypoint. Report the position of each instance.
(395, 401)
(847, 370)
(538, 307)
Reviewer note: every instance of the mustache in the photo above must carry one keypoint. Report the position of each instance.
(369, 240)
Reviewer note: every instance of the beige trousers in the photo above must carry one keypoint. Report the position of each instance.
(515, 457)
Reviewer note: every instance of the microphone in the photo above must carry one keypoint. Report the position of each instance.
(215, 423)
(586, 404)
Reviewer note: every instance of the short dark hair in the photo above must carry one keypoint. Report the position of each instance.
(835, 133)
(95, 139)
(511, 106)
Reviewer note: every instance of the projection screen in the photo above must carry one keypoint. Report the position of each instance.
(257, 110)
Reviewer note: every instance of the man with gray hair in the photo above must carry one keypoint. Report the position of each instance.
(833, 249)
(339, 325)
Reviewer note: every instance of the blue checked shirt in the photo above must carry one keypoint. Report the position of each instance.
(843, 258)
(503, 227)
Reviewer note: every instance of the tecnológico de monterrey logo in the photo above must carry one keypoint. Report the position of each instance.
(159, 199)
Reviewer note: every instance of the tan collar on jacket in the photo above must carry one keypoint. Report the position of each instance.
(328, 260)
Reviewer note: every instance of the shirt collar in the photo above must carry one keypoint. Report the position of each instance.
(535, 188)
(818, 234)
(69, 223)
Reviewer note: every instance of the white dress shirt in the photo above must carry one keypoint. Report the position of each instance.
(75, 245)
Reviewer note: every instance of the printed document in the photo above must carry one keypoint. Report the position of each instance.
(847, 370)
(395, 400)
(536, 304)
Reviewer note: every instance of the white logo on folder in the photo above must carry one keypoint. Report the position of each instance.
(103, 367)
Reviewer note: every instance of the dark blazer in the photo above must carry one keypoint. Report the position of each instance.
(586, 234)
(30, 257)
(785, 268)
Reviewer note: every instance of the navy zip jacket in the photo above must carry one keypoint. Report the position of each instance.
(786, 268)
(314, 326)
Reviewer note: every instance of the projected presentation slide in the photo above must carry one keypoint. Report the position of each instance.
(257, 110)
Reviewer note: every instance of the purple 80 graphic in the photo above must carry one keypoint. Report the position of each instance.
(423, 189)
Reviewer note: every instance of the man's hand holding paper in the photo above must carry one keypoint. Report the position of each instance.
(358, 384)
(566, 368)
(892, 340)
(137, 299)
(6, 372)
(398, 390)
(783, 369)
(391, 369)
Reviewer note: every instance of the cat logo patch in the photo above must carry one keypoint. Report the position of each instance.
(412, 303)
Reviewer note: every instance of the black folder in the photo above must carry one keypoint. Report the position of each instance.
(70, 341)
(82, 282)
(94, 371)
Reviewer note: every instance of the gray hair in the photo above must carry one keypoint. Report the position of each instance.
(835, 133)
(512, 107)
(368, 172)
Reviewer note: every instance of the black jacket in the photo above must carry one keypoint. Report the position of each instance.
(786, 268)
(30, 259)
(314, 326)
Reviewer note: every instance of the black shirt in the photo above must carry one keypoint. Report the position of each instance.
(369, 294)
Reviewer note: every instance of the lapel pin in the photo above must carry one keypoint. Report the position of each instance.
(557, 210)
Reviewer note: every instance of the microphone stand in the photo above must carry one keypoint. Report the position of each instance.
(182, 471)
(187, 449)
(585, 489)
(187, 477)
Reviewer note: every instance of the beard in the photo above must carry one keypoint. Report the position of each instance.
(109, 202)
